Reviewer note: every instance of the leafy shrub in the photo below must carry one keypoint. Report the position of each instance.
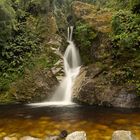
(7, 16)
(126, 32)
(137, 82)
(126, 47)
(123, 75)
(18, 42)
(36, 7)
(84, 36)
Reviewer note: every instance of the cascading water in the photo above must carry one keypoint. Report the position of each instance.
(71, 58)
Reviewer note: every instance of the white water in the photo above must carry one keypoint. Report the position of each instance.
(71, 58)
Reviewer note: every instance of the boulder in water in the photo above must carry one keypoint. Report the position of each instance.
(78, 135)
(53, 138)
(63, 134)
(10, 138)
(29, 138)
(123, 135)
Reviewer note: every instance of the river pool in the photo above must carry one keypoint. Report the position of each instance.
(98, 122)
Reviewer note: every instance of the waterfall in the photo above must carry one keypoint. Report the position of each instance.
(72, 63)
(71, 59)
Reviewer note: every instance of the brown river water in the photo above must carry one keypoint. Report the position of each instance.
(98, 122)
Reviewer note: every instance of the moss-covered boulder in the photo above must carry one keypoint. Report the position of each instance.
(99, 19)
(92, 30)
(37, 85)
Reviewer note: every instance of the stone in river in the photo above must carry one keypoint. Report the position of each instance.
(78, 135)
(63, 134)
(53, 138)
(29, 138)
(10, 138)
(123, 135)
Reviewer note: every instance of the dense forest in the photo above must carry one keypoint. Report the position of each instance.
(107, 33)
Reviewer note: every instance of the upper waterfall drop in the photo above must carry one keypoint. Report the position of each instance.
(71, 65)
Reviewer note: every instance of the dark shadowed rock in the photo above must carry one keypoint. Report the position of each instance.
(63, 134)
(93, 87)
(53, 138)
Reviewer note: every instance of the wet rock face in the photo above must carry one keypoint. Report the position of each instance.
(36, 86)
(92, 87)
(123, 135)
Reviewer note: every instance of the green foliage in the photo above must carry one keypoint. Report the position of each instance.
(126, 48)
(118, 4)
(123, 75)
(97, 2)
(23, 28)
(18, 41)
(7, 98)
(114, 5)
(36, 7)
(137, 83)
(126, 32)
(7, 15)
(84, 36)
